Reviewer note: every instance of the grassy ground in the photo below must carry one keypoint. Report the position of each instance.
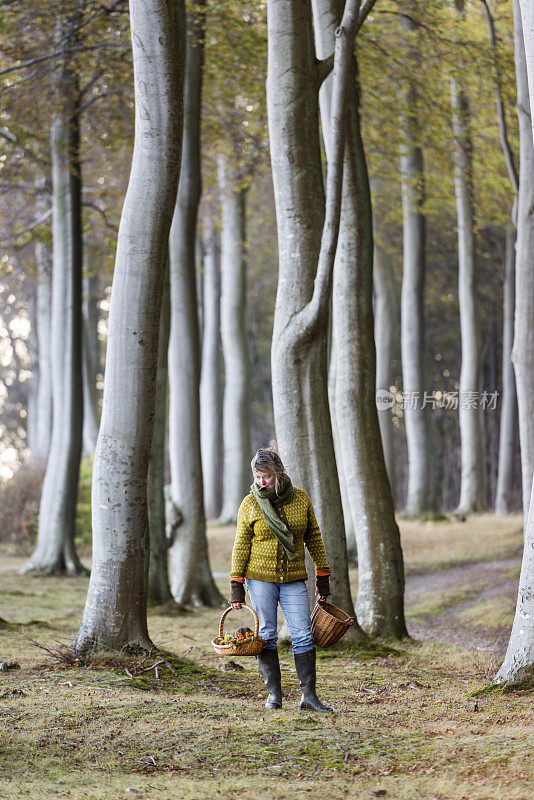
(407, 725)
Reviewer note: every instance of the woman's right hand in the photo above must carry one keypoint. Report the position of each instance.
(237, 605)
(237, 594)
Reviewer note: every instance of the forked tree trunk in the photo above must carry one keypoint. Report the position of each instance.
(299, 348)
(523, 349)
(43, 406)
(191, 579)
(507, 443)
(236, 403)
(159, 589)
(421, 489)
(91, 413)
(115, 610)
(385, 334)
(54, 552)
(379, 603)
(518, 664)
(210, 376)
(471, 486)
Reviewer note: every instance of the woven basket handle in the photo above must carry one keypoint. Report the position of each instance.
(225, 613)
(321, 603)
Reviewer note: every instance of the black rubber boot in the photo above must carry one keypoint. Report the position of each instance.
(269, 667)
(305, 664)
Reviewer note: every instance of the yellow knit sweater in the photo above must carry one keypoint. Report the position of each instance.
(257, 552)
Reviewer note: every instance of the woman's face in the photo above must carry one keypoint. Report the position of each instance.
(264, 479)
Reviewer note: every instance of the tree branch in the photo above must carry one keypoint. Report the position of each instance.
(10, 137)
(30, 227)
(365, 9)
(324, 68)
(95, 207)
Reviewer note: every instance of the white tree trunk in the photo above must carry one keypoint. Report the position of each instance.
(54, 551)
(210, 376)
(421, 490)
(91, 413)
(379, 603)
(191, 579)
(518, 664)
(43, 408)
(115, 610)
(509, 395)
(236, 403)
(523, 349)
(299, 349)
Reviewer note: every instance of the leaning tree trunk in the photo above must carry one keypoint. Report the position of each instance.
(385, 335)
(43, 408)
(236, 402)
(90, 364)
(159, 589)
(54, 552)
(471, 485)
(299, 347)
(210, 376)
(523, 349)
(115, 611)
(421, 489)
(191, 578)
(507, 444)
(518, 664)
(380, 598)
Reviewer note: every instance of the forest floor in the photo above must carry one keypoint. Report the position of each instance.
(408, 725)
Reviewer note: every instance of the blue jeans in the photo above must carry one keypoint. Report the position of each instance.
(293, 599)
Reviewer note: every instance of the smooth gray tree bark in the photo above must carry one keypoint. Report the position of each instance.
(380, 598)
(91, 414)
(115, 610)
(523, 348)
(306, 260)
(191, 579)
(236, 401)
(385, 313)
(54, 552)
(471, 485)
(40, 445)
(159, 590)
(210, 375)
(421, 489)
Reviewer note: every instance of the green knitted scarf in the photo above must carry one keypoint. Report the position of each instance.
(266, 498)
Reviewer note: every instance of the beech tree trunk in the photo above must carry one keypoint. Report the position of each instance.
(523, 348)
(471, 486)
(54, 552)
(115, 610)
(90, 364)
(236, 402)
(191, 579)
(40, 445)
(159, 589)
(299, 349)
(507, 444)
(210, 376)
(421, 489)
(379, 603)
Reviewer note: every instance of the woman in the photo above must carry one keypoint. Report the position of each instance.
(274, 523)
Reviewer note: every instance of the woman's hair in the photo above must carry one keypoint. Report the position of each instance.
(267, 460)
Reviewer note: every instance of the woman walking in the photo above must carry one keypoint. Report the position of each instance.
(274, 523)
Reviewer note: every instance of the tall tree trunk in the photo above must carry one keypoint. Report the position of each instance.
(210, 376)
(115, 610)
(421, 489)
(159, 589)
(236, 403)
(299, 348)
(379, 603)
(523, 348)
(507, 444)
(54, 551)
(43, 407)
(471, 487)
(385, 334)
(90, 364)
(191, 579)
(518, 664)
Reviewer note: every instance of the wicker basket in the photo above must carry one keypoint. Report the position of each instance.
(250, 648)
(329, 623)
